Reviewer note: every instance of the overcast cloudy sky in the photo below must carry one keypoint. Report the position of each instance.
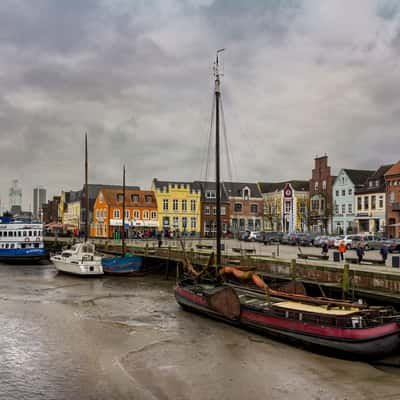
(301, 78)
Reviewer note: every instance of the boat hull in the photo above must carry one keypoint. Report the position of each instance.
(23, 256)
(81, 269)
(131, 265)
(362, 343)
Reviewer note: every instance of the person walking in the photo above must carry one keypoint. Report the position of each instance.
(325, 249)
(342, 249)
(384, 253)
(360, 252)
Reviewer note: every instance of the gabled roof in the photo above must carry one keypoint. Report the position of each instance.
(111, 197)
(378, 175)
(234, 189)
(298, 185)
(394, 170)
(358, 176)
(205, 186)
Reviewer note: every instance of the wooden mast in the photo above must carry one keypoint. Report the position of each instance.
(217, 159)
(123, 213)
(86, 191)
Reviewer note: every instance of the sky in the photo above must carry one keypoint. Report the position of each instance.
(301, 78)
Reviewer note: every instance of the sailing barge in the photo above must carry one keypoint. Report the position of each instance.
(347, 328)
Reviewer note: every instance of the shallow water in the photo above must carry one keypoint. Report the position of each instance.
(64, 337)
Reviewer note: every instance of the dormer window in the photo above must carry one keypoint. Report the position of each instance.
(135, 198)
(148, 198)
(246, 193)
(120, 197)
(211, 194)
(371, 184)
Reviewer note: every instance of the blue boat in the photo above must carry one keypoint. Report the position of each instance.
(128, 265)
(21, 241)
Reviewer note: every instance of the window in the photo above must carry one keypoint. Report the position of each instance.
(343, 208)
(193, 222)
(30, 233)
(366, 202)
(184, 205)
(322, 204)
(323, 185)
(302, 208)
(127, 214)
(371, 183)
(287, 207)
(316, 186)
(238, 207)
(350, 192)
(373, 202)
(175, 205)
(223, 210)
(246, 194)
(215, 210)
(350, 208)
(145, 214)
(254, 208)
(24, 233)
(136, 214)
(359, 203)
(175, 222)
(135, 198)
(165, 204)
(116, 214)
(380, 201)
(211, 194)
(154, 215)
(10, 233)
(193, 205)
(315, 204)
(391, 197)
(343, 192)
(337, 193)
(165, 221)
(148, 198)
(207, 210)
(120, 197)
(184, 222)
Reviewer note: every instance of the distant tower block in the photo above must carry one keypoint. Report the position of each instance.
(39, 198)
(15, 194)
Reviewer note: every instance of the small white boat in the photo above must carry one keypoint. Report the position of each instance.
(79, 260)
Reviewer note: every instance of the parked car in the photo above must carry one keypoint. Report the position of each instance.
(272, 237)
(255, 236)
(305, 239)
(285, 238)
(347, 239)
(393, 245)
(369, 241)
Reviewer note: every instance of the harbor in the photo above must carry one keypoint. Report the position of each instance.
(110, 338)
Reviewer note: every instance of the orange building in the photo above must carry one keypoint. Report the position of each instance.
(140, 212)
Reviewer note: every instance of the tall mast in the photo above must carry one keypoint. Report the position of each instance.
(123, 213)
(217, 91)
(86, 191)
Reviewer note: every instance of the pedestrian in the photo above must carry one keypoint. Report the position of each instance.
(325, 249)
(360, 252)
(159, 239)
(342, 249)
(384, 253)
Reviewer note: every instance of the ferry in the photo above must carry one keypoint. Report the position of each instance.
(21, 241)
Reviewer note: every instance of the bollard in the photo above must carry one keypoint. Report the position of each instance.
(277, 249)
(345, 280)
(293, 268)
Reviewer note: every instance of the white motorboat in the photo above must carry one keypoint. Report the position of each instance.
(80, 259)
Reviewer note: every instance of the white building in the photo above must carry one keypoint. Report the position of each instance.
(343, 193)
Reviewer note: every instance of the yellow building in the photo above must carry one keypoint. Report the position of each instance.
(286, 206)
(178, 206)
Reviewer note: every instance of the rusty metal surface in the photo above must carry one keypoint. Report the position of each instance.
(225, 301)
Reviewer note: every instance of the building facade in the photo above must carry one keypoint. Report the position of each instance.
(321, 184)
(344, 187)
(246, 206)
(179, 208)
(286, 206)
(370, 203)
(140, 213)
(209, 210)
(39, 198)
(392, 178)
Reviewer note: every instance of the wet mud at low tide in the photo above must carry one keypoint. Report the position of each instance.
(64, 337)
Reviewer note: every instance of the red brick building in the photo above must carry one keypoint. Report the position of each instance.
(392, 178)
(321, 184)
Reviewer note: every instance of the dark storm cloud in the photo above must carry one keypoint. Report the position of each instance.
(301, 78)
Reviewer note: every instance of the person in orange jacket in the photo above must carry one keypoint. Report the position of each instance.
(342, 249)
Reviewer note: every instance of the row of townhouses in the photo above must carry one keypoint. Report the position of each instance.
(352, 201)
